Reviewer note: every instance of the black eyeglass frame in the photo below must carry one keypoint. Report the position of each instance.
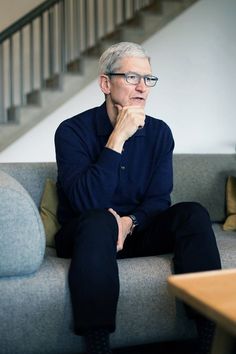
(144, 77)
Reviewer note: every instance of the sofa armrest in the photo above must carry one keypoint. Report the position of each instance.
(22, 238)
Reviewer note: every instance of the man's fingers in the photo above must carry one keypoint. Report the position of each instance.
(113, 212)
(120, 241)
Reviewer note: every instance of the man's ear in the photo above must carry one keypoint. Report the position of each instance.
(104, 83)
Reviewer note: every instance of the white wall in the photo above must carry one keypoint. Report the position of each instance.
(194, 57)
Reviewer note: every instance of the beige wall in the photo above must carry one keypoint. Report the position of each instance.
(11, 10)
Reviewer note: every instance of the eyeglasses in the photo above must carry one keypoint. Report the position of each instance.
(134, 78)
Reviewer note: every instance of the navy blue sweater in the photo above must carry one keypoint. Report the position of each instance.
(138, 181)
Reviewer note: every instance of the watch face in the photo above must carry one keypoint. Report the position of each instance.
(134, 220)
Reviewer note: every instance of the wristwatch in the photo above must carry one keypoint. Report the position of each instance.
(134, 223)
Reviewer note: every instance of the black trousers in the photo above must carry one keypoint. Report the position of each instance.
(90, 240)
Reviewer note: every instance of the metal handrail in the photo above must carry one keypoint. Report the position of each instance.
(42, 45)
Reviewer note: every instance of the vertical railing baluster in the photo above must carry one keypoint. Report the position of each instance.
(62, 36)
(21, 74)
(78, 29)
(31, 56)
(114, 13)
(133, 7)
(42, 73)
(96, 23)
(123, 10)
(86, 27)
(11, 74)
(2, 93)
(105, 18)
(74, 26)
(51, 60)
(67, 31)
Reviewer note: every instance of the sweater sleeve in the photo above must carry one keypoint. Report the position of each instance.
(157, 196)
(88, 180)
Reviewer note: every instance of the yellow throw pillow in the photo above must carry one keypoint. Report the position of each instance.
(230, 222)
(48, 211)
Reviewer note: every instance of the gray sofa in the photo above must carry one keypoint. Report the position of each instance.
(35, 309)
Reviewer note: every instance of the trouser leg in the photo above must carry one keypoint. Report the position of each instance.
(185, 229)
(195, 247)
(93, 273)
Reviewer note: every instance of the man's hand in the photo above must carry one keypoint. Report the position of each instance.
(124, 226)
(129, 120)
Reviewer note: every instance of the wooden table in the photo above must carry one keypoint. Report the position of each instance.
(213, 294)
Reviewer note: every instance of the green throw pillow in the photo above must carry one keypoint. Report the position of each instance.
(230, 222)
(48, 211)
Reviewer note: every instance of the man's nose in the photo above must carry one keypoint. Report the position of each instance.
(141, 85)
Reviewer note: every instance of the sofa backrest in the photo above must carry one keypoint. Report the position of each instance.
(31, 175)
(197, 177)
(202, 178)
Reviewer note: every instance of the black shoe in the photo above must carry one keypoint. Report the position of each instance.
(206, 331)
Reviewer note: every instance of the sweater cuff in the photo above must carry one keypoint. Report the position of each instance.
(109, 159)
(141, 218)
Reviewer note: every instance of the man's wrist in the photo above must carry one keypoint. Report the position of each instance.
(115, 143)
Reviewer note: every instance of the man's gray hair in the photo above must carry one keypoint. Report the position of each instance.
(110, 59)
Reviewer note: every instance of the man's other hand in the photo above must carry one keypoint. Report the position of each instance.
(124, 227)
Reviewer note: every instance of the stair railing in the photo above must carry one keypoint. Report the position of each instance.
(49, 41)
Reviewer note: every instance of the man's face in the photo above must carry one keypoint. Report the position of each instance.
(124, 93)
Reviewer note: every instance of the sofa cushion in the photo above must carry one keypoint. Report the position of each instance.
(48, 211)
(230, 222)
(22, 235)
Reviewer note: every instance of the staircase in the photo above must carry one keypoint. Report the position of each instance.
(51, 53)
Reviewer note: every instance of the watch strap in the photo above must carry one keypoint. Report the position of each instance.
(134, 223)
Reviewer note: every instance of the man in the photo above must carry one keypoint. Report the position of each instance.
(114, 185)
